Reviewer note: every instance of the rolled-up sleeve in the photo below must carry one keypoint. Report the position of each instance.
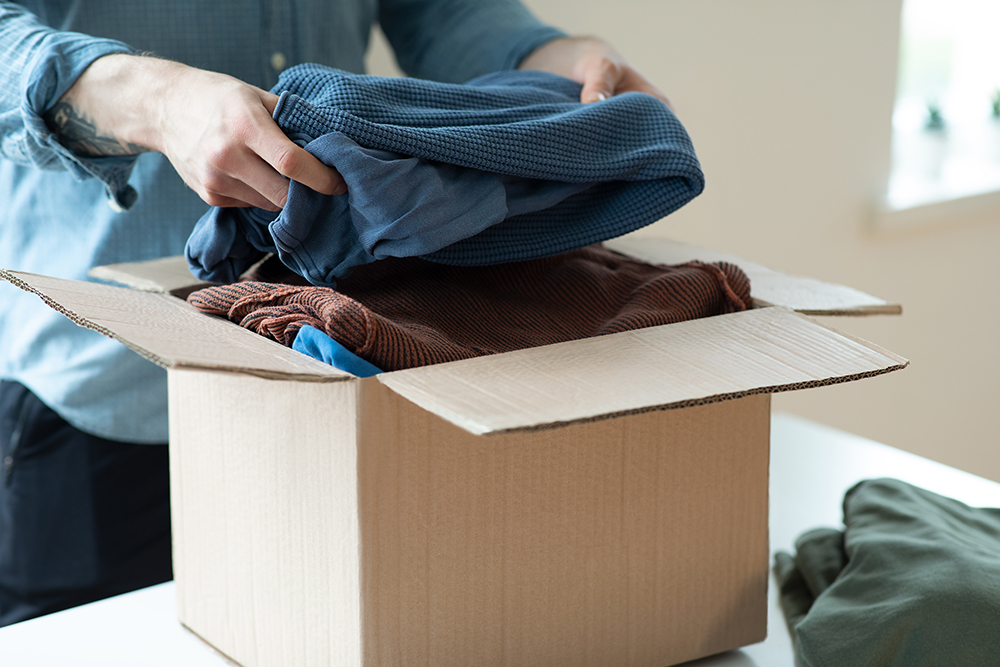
(456, 40)
(37, 65)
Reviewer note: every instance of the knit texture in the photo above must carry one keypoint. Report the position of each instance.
(403, 313)
(508, 167)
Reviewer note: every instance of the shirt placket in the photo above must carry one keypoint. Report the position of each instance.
(278, 49)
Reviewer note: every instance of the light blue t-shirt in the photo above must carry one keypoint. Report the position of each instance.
(60, 215)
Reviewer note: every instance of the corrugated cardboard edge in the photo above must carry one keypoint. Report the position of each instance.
(292, 365)
(82, 321)
(860, 311)
(456, 393)
(718, 398)
(478, 429)
(768, 287)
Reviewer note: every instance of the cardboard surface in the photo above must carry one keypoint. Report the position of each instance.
(264, 511)
(767, 287)
(763, 350)
(171, 333)
(169, 275)
(636, 541)
(340, 524)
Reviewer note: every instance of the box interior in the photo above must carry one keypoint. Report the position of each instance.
(764, 350)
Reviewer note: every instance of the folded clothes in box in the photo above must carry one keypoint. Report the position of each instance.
(404, 313)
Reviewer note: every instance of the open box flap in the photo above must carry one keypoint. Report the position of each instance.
(763, 350)
(767, 287)
(170, 332)
(170, 275)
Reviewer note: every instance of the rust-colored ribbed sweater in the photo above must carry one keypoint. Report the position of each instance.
(403, 313)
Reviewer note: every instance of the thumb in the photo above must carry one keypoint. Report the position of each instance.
(269, 100)
(599, 81)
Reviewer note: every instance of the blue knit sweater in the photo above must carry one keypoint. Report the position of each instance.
(504, 168)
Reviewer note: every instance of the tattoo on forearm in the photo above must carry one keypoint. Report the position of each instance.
(78, 133)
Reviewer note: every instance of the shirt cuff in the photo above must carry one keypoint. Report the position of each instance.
(50, 73)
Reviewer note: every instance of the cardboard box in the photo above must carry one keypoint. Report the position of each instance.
(601, 502)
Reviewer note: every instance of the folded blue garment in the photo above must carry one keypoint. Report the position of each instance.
(506, 167)
(316, 344)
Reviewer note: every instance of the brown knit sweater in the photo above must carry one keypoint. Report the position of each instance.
(403, 313)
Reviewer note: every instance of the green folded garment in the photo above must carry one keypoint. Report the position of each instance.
(912, 580)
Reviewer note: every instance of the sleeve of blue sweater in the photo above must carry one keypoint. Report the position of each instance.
(456, 40)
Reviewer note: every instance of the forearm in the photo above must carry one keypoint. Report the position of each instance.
(89, 105)
(113, 108)
(216, 130)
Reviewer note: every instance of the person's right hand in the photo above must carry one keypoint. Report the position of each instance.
(217, 131)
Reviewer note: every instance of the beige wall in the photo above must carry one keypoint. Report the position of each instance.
(788, 103)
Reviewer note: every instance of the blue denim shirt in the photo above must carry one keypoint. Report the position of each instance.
(60, 215)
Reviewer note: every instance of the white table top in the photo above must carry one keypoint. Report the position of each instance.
(811, 468)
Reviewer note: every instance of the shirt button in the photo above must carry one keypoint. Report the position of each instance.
(278, 61)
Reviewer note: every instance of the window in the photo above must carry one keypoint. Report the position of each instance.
(946, 123)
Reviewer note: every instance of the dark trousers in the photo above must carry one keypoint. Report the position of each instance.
(81, 518)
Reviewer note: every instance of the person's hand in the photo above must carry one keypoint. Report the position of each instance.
(216, 131)
(594, 63)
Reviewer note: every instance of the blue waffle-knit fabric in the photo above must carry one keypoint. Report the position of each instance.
(526, 130)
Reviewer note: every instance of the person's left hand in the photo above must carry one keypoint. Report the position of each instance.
(594, 63)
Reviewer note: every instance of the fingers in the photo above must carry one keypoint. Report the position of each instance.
(268, 99)
(290, 160)
(605, 76)
(254, 164)
(220, 137)
(633, 81)
(601, 77)
(594, 63)
(256, 184)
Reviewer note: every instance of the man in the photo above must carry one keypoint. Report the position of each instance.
(110, 155)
